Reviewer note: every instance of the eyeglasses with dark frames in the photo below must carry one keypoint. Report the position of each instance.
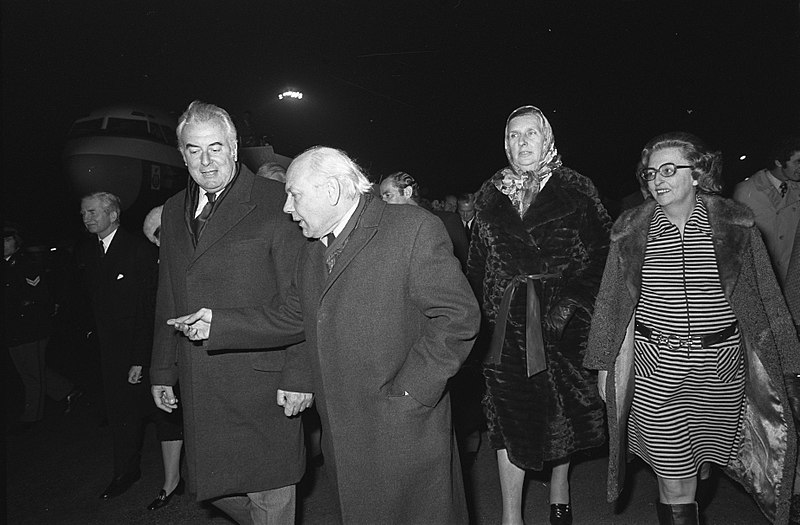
(667, 170)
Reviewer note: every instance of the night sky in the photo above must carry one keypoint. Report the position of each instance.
(423, 87)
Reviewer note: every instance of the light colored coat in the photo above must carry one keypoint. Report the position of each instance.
(767, 443)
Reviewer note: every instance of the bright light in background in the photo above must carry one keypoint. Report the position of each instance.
(291, 94)
(743, 157)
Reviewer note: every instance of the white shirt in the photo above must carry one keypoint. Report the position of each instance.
(107, 239)
(342, 223)
(203, 200)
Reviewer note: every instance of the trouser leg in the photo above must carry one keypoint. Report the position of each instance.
(28, 359)
(237, 507)
(56, 385)
(273, 507)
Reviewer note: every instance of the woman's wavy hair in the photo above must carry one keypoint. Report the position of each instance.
(707, 164)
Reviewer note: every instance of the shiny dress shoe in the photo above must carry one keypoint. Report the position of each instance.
(72, 400)
(162, 499)
(560, 514)
(120, 484)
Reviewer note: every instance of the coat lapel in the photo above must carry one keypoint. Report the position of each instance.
(631, 232)
(232, 209)
(362, 234)
(729, 227)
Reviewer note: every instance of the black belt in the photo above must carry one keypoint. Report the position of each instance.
(675, 341)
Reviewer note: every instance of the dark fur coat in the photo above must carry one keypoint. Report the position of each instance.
(765, 465)
(556, 412)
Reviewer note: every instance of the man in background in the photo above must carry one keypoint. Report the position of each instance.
(774, 196)
(117, 273)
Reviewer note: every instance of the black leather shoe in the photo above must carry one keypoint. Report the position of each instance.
(560, 514)
(120, 484)
(162, 499)
(72, 400)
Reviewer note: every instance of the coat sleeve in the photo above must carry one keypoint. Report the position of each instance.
(778, 316)
(147, 284)
(287, 244)
(267, 326)
(608, 327)
(164, 360)
(440, 291)
(583, 284)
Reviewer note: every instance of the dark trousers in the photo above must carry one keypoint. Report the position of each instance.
(39, 380)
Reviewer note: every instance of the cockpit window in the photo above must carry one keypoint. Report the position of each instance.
(85, 127)
(125, 126)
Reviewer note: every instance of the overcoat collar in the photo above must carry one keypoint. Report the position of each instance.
(729, 221)
(552, 203)
(368, 214)
(234, 206)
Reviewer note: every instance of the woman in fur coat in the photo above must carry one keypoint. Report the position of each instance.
(692, 339)
(540, 241)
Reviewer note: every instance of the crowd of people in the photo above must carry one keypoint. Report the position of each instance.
(521, 312)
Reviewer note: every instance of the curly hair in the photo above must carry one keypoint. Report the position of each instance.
(706, 164)
(403, 180)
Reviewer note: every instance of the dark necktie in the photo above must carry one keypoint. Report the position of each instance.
(205, 213)
(783, 188)
(330, 257)
(101, 247)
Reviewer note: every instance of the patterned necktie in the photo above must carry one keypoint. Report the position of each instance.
(205, 213)
(330, 258)
(783, 188)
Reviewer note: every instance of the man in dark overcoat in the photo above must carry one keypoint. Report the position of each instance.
(388, 318)
(225, 242)
(117, 273)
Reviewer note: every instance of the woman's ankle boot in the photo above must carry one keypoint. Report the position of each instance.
(679, 514)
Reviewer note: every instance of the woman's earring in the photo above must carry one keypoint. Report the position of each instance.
(694, 183)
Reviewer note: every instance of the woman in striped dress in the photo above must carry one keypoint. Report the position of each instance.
(692, 339)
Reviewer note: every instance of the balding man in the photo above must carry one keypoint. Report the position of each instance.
(388, 318)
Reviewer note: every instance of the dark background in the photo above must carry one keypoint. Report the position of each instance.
(420, 86)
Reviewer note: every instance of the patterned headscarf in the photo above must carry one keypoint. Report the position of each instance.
(522, 185)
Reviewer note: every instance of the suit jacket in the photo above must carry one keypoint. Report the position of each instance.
(395, 315)
(120, 289)
(237, 438)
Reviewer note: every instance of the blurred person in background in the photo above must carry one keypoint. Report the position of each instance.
(28, 309)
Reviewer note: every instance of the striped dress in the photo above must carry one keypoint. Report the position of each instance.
(688, 401)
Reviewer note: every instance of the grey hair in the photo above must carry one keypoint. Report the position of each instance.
(108, 201)
(331, 162)
(204, 112)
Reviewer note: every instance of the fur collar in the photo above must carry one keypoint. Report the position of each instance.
(555, 201)
(730, 223)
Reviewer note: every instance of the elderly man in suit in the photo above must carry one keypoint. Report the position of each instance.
(117, 272)
(226, 244)
(388, 318)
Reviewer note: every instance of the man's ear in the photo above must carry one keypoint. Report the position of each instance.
(334, 190)
(408, 191)
(235, 151)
